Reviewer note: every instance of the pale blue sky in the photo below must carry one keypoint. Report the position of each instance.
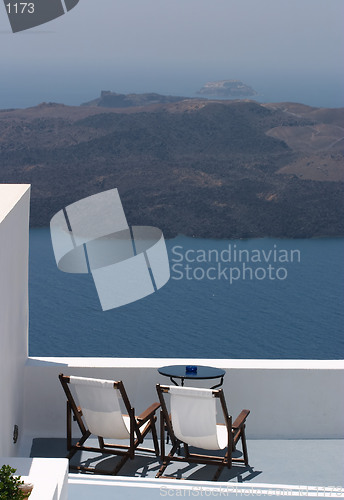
(126, 45)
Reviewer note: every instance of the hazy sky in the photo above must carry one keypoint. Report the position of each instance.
(113, 42)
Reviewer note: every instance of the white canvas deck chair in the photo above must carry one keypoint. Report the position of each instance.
(99, 412)
(192, 421)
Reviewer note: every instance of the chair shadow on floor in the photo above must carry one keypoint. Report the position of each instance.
(143, 466)
(147, 467)
(197, 472)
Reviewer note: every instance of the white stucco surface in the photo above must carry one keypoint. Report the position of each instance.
(14, 226)
(288, 399)
(101, 487)
(49, 476)
(10, 194)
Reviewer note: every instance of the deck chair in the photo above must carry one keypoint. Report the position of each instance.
(99, 413)
(192, 421)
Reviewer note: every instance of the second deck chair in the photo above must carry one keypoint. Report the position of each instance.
(192, 421)
(99, 413)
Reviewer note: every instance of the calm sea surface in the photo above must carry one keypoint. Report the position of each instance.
(262, 298)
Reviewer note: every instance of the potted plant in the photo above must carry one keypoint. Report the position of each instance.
(11, 487)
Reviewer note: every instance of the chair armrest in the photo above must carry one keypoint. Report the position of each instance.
(145, 415)
(240, 420)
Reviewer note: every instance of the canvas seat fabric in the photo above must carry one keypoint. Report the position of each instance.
(100, 403)
(193, 415)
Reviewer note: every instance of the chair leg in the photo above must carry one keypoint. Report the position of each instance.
(244, 446)
(130, 454)
(228, 458)
(162, 436)
(162, 469)
(155, 437)
(69, 426)
(166, 460)
(76, 447)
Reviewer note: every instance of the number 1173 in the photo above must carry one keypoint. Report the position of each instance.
(20, 8)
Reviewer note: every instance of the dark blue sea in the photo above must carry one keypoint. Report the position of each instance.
(258, 298)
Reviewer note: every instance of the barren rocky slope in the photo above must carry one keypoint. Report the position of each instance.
(197, 167)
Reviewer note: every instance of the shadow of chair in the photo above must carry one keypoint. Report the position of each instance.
(100, 412)
(192, 422)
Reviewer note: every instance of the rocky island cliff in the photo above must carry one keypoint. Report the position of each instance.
(110, 99)
(214, 169)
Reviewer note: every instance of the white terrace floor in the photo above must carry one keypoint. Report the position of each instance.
(289, 462)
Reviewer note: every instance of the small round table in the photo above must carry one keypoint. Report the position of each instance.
(201, 373)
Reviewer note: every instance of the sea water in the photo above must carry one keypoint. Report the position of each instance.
(256, 298)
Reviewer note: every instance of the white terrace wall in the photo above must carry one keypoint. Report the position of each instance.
(14, 240)
(288, 399)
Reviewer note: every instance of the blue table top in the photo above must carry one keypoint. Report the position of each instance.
(203, 372)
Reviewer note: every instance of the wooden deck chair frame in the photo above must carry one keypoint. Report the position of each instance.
(235, 432)
(139, 427)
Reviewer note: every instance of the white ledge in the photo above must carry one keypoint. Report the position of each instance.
(10, 194)
(261, 364)
(49, 476)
